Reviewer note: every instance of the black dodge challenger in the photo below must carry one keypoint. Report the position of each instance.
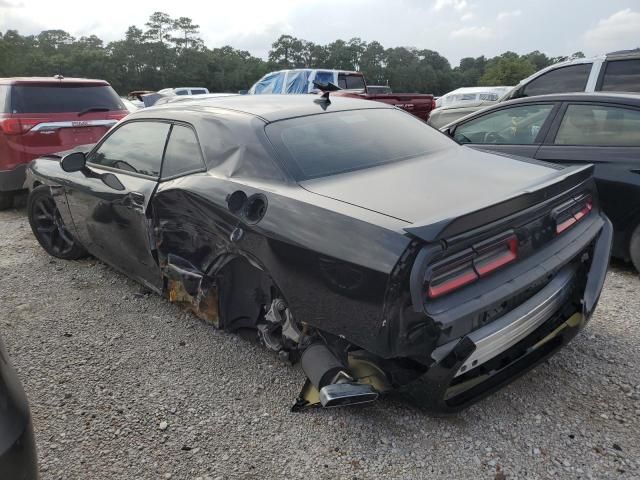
(349, 235)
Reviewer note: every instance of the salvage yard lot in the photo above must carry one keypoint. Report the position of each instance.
(125, 385)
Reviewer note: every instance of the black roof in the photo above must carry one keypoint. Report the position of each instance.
(625, 53)
(608, 97)
(270, 107)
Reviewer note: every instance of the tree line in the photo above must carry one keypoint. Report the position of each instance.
(168, 52)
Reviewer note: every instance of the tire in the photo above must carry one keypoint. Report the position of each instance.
(634, 248)
(6, 200)
(48, 227)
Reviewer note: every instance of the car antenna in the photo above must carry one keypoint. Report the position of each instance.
(326, 88)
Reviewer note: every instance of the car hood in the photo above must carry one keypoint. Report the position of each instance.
(442, 185)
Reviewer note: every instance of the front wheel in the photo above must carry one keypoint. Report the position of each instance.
(634, 248)
(48, 227)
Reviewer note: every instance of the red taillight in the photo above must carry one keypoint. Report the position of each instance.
(17, 126)
(572, 214)
(470, 265)
(497, 257)
(450, 277)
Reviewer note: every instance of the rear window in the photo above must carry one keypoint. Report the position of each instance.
(62, 98)
(331, 143)
(572, 78)
(350, 81)
(622, 76)
(198, 91)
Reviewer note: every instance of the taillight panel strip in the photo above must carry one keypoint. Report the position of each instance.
(572, 212)
(471, 264)
(73, 124)
(484, 258)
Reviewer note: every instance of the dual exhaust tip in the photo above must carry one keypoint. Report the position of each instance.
(343, 394)
(331, 378)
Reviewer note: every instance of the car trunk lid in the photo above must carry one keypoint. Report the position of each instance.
(436, 192)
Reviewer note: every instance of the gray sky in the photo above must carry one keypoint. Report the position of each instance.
(454, 28)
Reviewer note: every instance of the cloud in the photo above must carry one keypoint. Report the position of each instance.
(257, 43)
(508, 15)
(456, 4)
(466, 17)
(473, 33)
(617, 32)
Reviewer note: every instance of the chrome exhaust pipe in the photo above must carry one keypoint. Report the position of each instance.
(331, 378)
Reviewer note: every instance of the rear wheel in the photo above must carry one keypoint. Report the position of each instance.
(6, 200)
(48, 227)
(634, 248)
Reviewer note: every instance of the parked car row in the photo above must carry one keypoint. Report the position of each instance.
(612, 72)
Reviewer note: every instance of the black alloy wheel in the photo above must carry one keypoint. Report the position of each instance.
(49, 228)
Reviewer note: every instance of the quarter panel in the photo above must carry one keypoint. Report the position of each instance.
(331, 266)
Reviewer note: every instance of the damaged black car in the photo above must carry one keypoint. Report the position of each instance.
(349, 235)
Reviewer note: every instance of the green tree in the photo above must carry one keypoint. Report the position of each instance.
(507, 69)
(188, 33)
(159, 27)
(289, 52)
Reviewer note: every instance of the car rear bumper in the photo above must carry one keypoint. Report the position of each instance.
(11, 180)
(467, 369)
(19, 461)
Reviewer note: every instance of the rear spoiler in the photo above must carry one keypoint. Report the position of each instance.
(568, 179)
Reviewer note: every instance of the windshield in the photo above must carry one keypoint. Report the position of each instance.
(338, 142)
(63, 98)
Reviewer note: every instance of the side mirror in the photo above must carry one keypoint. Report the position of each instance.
(449, 131)
(73, 162)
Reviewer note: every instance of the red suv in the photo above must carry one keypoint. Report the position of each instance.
(39, 116)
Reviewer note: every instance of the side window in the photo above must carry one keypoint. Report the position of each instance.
(561, 80)
(622, 76)
(599, 125)
(134, 147)
(351, 82)
(323, 77)
(270, 84)
(509, 126)
(183, 154)
(182, 92)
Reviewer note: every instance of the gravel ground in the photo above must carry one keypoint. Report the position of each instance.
(124, 385)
